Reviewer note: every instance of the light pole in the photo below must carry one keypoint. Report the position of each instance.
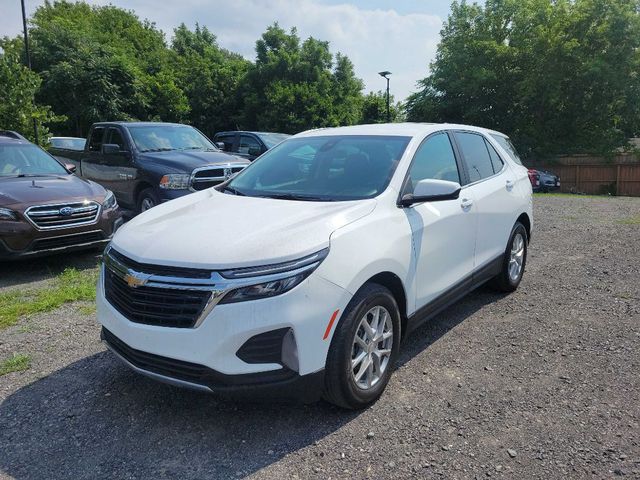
(28, 58)
(385, 75)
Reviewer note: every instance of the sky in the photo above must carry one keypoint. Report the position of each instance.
(400, 36)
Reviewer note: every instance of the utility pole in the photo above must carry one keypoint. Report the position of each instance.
(28, 57)
(385, 75)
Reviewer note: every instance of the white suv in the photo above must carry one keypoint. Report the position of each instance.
(303, 273)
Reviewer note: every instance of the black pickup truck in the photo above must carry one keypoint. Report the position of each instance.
(146, 163)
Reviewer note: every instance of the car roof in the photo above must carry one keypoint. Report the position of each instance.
(139, 124)
(406, 129)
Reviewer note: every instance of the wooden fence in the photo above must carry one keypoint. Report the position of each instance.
(619, 175)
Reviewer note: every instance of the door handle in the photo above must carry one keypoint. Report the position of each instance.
(509, 185)
(466, 204)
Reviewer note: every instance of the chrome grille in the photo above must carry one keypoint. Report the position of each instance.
(207, 177)
(65, 215)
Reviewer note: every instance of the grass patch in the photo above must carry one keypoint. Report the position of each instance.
(630, 221)
(87, 309)
(70, 286)
(17, 363)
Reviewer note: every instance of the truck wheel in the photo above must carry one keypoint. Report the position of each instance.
(147, 199)
(364, 349)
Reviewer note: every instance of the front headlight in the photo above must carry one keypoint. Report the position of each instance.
(278, 278)
(109, 201)
(175, 181)
(10, 215)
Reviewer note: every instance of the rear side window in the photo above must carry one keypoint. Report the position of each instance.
(496, 161)
(95, 144)
(434, 159)
(506, 143)
(476, 155)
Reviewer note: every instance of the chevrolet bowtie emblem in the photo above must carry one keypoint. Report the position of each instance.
(135, 280)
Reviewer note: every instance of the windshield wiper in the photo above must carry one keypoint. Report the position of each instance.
(164, 149)
(234, 191)
(293, 196)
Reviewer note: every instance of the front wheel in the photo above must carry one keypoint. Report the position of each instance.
(147, 200)
(513, 261)
(364, 349)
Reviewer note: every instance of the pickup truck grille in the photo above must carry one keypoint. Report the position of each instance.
(207, 177)
(177, 307)
(67, 215)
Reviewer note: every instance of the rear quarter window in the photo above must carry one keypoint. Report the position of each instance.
(507, 145)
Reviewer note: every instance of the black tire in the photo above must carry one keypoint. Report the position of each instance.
(145, 198)
(503, 282)
(340, 386)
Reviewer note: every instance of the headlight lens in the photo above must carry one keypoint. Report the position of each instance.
(279, 278)
(264, 290)
(175, 181)
(10, 215)
(109, 201)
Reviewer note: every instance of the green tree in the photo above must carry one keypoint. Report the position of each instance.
(559, 76)
(18, 107)
(294, 85)
(374, 108)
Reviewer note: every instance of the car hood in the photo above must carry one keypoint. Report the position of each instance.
(215, 230)
(47, 189)
(183, 161)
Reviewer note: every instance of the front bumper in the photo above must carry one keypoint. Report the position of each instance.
(211, 356)
(22, 240)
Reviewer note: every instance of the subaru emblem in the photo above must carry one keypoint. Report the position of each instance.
(66, 211)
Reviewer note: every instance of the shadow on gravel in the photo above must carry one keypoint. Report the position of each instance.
(20, 272)
(97, 419)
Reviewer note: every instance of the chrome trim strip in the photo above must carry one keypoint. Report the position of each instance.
(156, 376)
(57, 207)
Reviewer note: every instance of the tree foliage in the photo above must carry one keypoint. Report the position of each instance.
(374, 108)
(557, 75)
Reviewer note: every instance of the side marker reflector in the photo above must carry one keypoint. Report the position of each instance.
(328, 330)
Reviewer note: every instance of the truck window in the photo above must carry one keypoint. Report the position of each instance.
(115, 137)
(95, 143)
(247, 143)
(227, 140)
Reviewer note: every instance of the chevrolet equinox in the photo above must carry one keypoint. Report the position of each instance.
(303, 273)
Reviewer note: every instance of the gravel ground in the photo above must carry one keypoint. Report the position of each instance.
(542, 383)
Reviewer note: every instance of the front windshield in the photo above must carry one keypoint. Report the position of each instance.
(328, 168)
(20, 160)
(161, 138)
(272, 139)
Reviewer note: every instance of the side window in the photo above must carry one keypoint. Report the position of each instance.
(496, 161)
(506, 143)
(434, 159)
(476, 155)
(227, 140)
(247, 143)
(115, 137)
(95, 143)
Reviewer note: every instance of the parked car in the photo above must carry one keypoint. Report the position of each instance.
(534, 178)
(305, 271)
(548, 181)
(67, 143)
(44, 208)
(249, 145)
(147, 163)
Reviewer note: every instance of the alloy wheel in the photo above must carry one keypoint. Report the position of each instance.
(372, 346)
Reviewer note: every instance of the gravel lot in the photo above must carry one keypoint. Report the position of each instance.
(542, 383)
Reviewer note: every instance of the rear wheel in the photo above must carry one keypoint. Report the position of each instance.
(147, 199)
(513, 262)
(364, 349)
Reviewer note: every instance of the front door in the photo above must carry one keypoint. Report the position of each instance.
(443, 232)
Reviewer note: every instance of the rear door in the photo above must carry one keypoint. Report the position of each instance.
(491, 184)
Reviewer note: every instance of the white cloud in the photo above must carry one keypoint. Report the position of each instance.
(374, 39)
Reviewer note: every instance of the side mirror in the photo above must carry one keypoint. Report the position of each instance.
(220, 145)
(70, 167)
(431, 190)
(111, 148)
(255, 151)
